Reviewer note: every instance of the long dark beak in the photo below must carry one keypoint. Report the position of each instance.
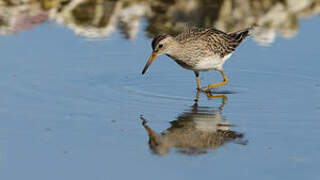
(152, 58)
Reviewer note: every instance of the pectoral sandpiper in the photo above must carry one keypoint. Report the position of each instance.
(198, 49)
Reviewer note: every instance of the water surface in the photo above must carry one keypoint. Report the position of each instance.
(73, 100)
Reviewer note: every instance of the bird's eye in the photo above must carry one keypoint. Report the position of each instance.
(160, 46)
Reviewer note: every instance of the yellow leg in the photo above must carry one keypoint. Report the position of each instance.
(211, 97)
(222, 97)
(224, 82)
(197, 98)
(198, 80)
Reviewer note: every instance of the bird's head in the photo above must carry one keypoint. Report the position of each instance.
(160, 45)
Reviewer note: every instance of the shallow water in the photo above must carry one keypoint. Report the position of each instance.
(73, 108)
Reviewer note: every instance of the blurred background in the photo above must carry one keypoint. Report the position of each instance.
(99, 18)
(74, 105)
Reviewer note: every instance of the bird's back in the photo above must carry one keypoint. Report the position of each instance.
(212, 40)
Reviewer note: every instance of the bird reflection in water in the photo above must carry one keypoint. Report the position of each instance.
(195, 131)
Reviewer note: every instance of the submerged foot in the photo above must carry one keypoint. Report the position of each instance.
(207, 89)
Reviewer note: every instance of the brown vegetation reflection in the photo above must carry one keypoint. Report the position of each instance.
(194, 132)
(98, 18)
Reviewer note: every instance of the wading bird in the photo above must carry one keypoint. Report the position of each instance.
(198, 49)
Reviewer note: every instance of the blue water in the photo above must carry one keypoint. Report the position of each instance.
(70, 108)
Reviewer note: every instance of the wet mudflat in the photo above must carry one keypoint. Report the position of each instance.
(74, 105)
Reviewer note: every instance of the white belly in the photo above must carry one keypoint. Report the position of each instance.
(211, 122)
(211, 63)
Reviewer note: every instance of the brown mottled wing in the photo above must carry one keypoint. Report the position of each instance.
(216, 41)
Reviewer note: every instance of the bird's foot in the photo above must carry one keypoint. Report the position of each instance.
(211, 86)
(207, 89)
